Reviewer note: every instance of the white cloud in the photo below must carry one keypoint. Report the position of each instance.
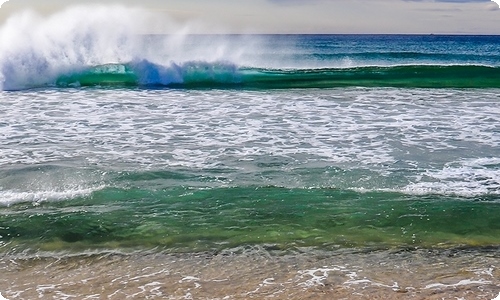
(2, 2)
(493, 5)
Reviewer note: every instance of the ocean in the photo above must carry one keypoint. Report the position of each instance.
(250, 166)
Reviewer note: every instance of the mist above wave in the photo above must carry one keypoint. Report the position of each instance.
(35, 50)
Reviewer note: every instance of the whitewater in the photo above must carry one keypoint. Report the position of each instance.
(153, 161)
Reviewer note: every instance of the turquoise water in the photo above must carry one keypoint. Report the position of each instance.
(329, 141)
(201, 75)
(281, 218)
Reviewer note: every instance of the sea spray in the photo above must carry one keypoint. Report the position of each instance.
(36, 50)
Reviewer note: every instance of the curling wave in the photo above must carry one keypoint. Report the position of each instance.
(198, 74)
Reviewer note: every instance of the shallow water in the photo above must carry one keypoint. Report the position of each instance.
(254, 272)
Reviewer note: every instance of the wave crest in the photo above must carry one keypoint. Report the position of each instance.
(220, 74)
(36, 51)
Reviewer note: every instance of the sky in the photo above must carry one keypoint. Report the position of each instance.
(307, 16)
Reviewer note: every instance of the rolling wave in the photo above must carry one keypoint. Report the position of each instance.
(199, 74)
(182, 219)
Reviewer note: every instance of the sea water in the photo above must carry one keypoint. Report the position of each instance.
(300, 164)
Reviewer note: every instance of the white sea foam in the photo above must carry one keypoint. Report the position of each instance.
(369, 139)
(460, 283)
(42, 183)
(11, 197)
(467, 178)
(317, 276)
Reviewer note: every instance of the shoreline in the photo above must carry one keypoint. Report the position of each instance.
(253, 272)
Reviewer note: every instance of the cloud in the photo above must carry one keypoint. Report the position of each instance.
(294, 2)
(462, 1)
(2, 2)
(490, 4)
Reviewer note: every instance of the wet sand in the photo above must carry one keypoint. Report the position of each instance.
(255, 273)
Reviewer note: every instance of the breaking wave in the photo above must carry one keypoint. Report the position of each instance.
(110, 45)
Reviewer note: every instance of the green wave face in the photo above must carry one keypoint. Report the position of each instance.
(105, 75)
(183, 219)
(397, 76)
(223, 75)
